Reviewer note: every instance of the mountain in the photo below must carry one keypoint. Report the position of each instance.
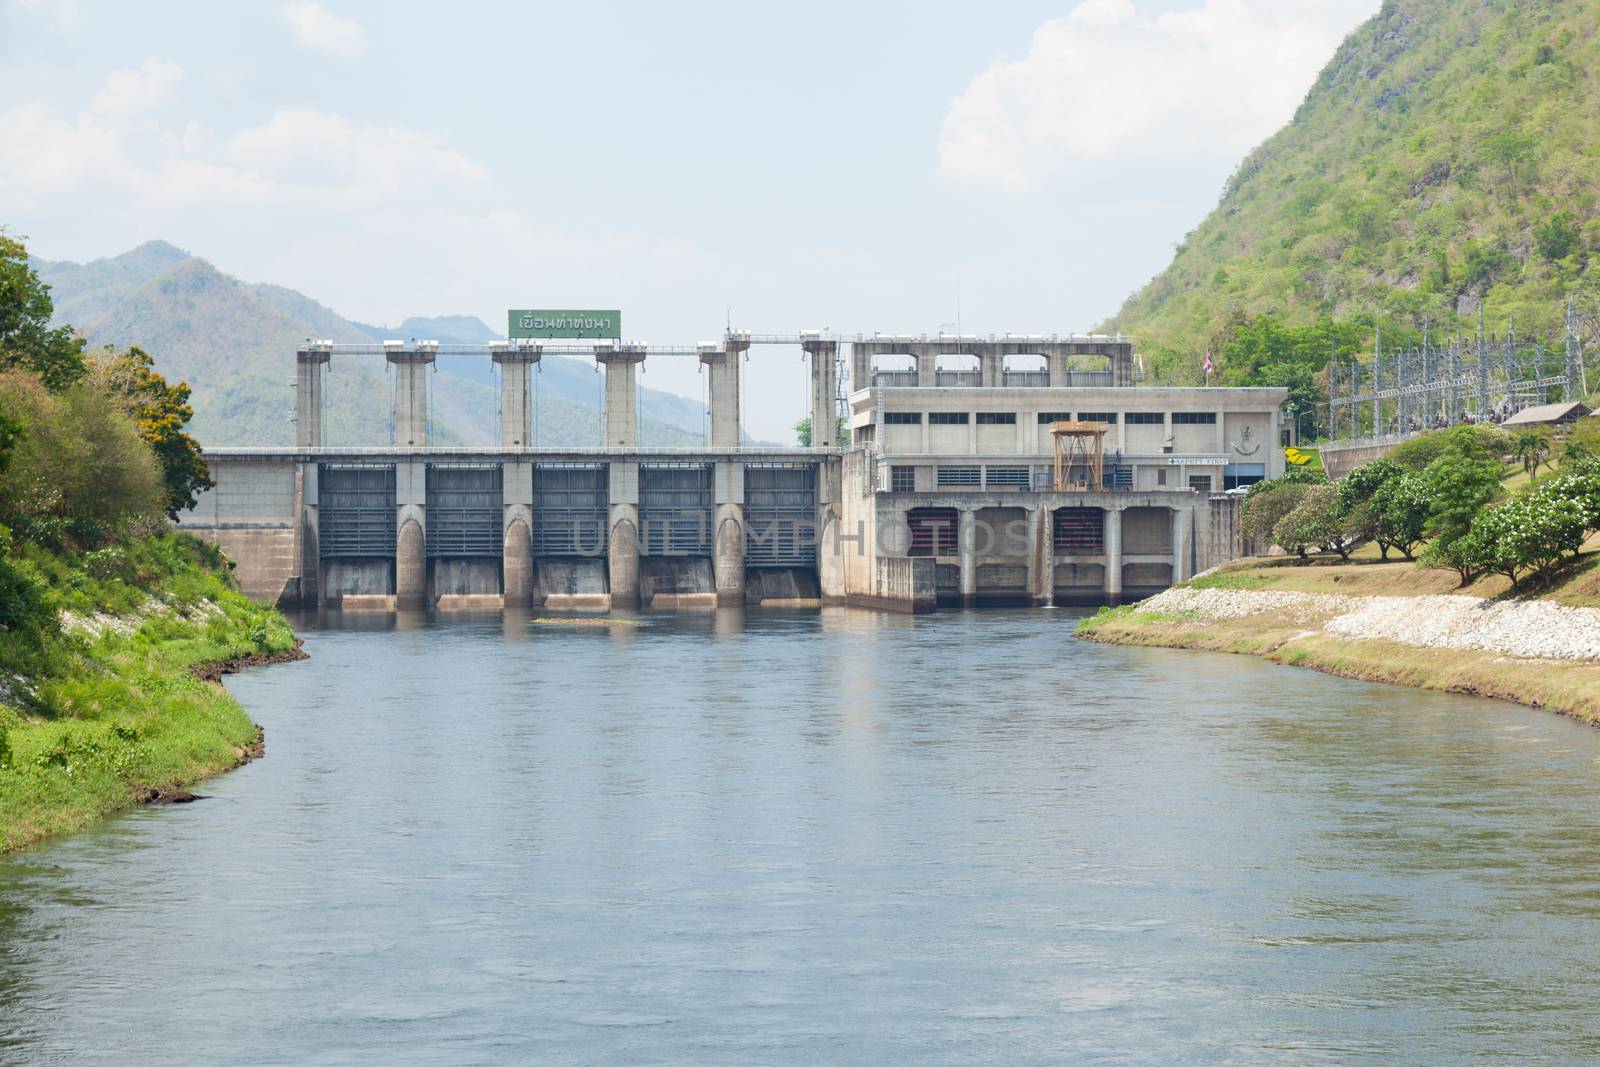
(234, 343)
(1443, 159)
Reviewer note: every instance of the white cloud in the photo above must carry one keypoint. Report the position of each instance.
(315, 147)
(318, 28)
(1109, 82)
(296, 157)
(133, 92)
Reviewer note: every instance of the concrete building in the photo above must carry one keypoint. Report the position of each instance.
(943, 493)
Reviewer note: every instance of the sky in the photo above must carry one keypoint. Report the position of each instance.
(1020, 166)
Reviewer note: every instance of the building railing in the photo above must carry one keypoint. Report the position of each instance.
(894, 378)
(1027, 379)
(957, 377)
(1089, 379)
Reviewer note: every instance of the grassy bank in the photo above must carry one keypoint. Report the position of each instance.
(107, 703)
(1570, 687)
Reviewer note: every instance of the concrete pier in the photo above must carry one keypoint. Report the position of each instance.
(308, 364)
(411, 367)
(411, 518)
(517, 561)
(516, 366)
(824, 392)
(1113, 554)
(727, 546)
(722, 373)
(967, 542)
(622, 393)
(622, 539)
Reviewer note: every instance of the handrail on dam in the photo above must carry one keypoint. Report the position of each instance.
(745, 452)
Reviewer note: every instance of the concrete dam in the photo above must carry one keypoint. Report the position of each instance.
(943, 488)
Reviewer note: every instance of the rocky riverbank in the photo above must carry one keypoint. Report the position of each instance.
(1531, 651)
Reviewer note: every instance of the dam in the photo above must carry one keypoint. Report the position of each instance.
(965, 471)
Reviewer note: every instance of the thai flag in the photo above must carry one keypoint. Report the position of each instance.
(1208, 366)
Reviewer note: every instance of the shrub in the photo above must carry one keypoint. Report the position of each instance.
(1419, 451)
(81, 471)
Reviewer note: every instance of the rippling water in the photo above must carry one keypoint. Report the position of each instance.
(834, 838)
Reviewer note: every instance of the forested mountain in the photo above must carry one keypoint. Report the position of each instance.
(234, 343)
(1446, 158)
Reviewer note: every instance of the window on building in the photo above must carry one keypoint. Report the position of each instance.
(1117, 477)
(960, 477)
(1107, 417)
(1008, 477)
(997, 418)
(1202, 482)
(1194, 418)
(1143, 418)
(1239, 475)
(1047, 417)
(1161, 476)
(947, 418)
(902, 418)
(903, 479)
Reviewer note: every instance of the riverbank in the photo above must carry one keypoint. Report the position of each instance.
(113, 700)
(1384, 622)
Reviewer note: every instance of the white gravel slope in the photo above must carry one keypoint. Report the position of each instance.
(1533, 629)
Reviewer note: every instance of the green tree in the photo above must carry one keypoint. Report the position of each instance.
(1462, 481)
(1362, 483)
(11, 431)
(81, 473)
(1532, 447)
(1558, 236)
(27, 342)
(1400, 508)
(1315, 522)
(1265, 505)
(802, 432)
(160, 411)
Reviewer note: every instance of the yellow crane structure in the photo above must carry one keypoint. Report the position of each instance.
(1080, 456)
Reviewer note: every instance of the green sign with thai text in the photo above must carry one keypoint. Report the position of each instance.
(546, 323)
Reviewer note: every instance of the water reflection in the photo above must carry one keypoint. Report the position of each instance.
(825, 837)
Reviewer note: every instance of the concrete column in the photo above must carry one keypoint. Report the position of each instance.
(1113, 555)
(411, 519)
(722, 371)
(824, 391)
(967, 542)
(622, 395)
(727, 559)
(1180, 554)
(1056, 363)
(927, 368)
(860, 368)
(1122, 366)
(516, 491)
(410, 392)
(516, 412)
(622, 541)
(991, 367)
(308, 364)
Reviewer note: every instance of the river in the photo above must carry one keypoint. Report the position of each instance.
(836, 837)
